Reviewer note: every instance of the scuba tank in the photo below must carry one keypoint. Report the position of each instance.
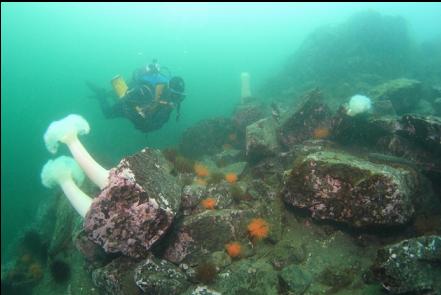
(119, 86)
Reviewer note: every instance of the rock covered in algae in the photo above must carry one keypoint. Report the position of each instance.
(116, 278)
(423, 130)
(206, 137)
(344, 188)
(156, 276)
(206, 232)
(301, 125)
(261, 139)
(403, 93)
(137, 206)
(411, 266)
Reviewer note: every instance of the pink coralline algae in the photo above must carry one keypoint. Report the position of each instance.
(344, 188)
(136, 208)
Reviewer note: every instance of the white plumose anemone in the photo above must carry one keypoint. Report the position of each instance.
(359, 104)
(66, 173)
(66, 131)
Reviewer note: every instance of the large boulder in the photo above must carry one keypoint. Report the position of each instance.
(248, 277)
(311, 116)
(341, 187)
(137, 207)
(116, 278)
(206, 232)
(261, 139)
(403, 93)
(423, 130)
(294, 279)
(412, 266)
(156, 276)
(343, 59)
(248, 113)
(207, 137)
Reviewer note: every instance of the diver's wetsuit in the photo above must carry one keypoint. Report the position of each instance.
(140, 106)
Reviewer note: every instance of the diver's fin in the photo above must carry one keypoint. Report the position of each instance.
(98, 92)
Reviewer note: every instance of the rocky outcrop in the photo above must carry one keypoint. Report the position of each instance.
(313, 114)
(344, 188)
(116, 278)
(261, 140)
(404, 94)
(207, 137)
(206, 232)
(137, 207)
(156, 276)
(412, 266)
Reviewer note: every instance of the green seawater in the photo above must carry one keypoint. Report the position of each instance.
(49, 51)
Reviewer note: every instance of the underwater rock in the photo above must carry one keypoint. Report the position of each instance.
(423, 130)
(411, 266)
(268, 169)
(228, 157)
(294, 279)
(206, 232)
(362, 130)
(137, 207)
(344, 188)
(192, 196)
(346, 58)
(116, 278)
(383, 108)
(246, 114)
(203, 290)
(206, 137)
(65, 220)
(156, 276)
(313, 114)
(236, 168)
(403, 93)
(261, 140)
(248, 277)
(93, 253)
(412, 139)
(221, 193)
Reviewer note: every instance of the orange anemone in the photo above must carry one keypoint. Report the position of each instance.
(200, 170)
(209, 203)
(231, 177)
(321, 132)
(234, 249)
(258, 228)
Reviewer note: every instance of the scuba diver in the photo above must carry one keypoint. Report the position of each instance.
(148, 102)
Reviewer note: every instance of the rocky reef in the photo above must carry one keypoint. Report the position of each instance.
(292, 196)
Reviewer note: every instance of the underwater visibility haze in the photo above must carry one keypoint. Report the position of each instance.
(221, 148)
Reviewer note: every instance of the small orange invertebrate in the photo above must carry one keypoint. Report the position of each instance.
(209, 203)
(231, 177)
(200, 170)
(234, 249)
(258, 228)
(321, 132)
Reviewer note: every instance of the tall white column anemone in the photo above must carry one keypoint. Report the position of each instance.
(245, 86)
(66, 131)
(358, 104)
(64, 171)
